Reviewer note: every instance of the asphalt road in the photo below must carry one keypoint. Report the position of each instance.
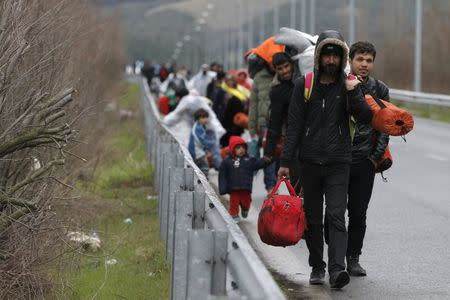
(407, 246)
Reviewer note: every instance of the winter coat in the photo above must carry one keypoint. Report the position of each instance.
(369, 143)
(320, 127)
(232, 106)
(259, 101)
(280, 96)
(236, 173)
(200, 140)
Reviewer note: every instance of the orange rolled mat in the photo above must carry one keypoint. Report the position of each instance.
(390, 119)
(241, 120)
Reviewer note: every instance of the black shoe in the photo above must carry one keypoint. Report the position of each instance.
(317, 276)
(353, 266)
(339, 279)
(244, 213)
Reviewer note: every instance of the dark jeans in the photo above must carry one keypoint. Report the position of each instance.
(330, 181)
(360, 187)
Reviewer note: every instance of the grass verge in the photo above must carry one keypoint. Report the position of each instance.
(120, 188)
(434, 112)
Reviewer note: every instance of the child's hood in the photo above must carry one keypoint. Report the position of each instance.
(234, 141)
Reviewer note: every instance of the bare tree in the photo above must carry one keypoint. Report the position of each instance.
(58, 59)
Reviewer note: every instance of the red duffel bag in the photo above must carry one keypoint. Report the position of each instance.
(281, 221)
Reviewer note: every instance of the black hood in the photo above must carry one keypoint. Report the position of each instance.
(330, 37)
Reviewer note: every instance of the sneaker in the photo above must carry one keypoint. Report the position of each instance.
(339, 279)
(317, 276)
(244, 214)
(353, 266)
(236, 218)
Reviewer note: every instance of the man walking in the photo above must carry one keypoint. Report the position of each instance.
(368, 148)
(319, 127)
(280, 96)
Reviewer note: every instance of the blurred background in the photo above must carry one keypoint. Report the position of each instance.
(193, 32)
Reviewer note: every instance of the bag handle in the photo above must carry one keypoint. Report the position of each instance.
(288, 185)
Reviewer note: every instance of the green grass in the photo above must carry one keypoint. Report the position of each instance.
(434, 112)
(123, 180)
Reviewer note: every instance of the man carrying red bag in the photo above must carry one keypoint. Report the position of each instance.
(319, 128)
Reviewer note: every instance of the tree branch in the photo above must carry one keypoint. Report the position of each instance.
(6, 221)
(35, 175)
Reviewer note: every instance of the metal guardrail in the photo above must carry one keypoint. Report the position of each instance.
(209, 254)
(420, 98)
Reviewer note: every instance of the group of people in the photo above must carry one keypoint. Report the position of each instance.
(314, 129)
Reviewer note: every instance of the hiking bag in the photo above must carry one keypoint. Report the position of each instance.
(281, 221)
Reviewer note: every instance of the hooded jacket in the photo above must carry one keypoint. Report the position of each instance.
(236, 173)
(259, 101)
(320, 126)
(259, 98)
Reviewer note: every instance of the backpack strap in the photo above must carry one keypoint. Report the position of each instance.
(309, 82)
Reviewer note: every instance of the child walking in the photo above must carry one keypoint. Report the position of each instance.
(201, 143)
(236, 176)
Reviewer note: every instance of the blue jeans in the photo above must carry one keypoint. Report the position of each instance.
(270, 175)
(215, 150)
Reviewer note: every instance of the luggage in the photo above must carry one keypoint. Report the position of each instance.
(281, 221)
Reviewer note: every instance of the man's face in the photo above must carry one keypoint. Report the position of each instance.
(284, 71)
(239, 150)
(231, 82)
(362, 64)
(330, 63)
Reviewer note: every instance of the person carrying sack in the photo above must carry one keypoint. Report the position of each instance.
(368, 148)
(319, 128)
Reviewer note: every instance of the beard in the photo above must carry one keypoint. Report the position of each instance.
(330, 69)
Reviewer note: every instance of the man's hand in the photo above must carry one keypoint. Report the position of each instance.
(267, 158)
(375, 164)
(350, 84)
(283, 172)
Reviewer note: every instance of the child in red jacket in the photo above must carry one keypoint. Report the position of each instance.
(236, 176)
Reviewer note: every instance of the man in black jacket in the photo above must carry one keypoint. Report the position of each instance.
(367, 150)
(280, 95)
(319, 127)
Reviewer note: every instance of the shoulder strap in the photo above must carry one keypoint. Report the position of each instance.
(377, 87)
(309, 82)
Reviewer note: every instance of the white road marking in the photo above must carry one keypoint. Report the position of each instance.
(436, 157)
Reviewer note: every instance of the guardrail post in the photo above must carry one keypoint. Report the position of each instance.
(199, 210)
(184, 210)
(159, 174)
(200, 266)
(168, 159)
(179, 158)
(189, 178)
(176, 184)
(219, 276)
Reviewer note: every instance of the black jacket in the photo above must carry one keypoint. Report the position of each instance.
(369, 143)
(320, 127)
(280, 96)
